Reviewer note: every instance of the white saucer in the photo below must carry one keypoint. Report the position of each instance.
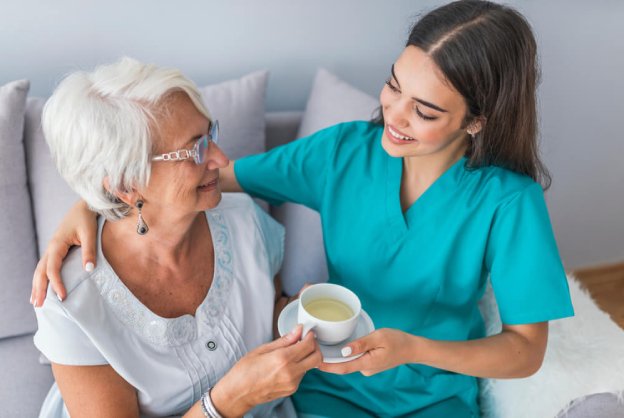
(331, 353)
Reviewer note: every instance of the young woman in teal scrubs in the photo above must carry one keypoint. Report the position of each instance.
(419, 208)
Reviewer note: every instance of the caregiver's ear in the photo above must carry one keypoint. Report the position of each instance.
(476, 125)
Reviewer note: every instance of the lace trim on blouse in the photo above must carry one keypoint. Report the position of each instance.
(172, 331)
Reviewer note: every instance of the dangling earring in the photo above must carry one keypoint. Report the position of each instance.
(142, 227)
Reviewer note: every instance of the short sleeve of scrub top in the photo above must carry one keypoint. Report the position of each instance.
(295, 172)
(522, 257)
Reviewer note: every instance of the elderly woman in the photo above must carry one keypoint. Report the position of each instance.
(183, 287)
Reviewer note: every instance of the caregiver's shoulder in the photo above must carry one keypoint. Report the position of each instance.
(500, 185)
(355, 129)
(351, 135)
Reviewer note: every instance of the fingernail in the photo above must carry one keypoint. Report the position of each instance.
(31, 299)
(89, 267)
(59, 298)
(346, 351)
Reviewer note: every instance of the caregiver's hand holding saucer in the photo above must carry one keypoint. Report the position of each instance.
(331, 312)
(382, 350)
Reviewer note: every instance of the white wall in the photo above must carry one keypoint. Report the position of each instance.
(582, 111)
(208, 40)
(582, 52)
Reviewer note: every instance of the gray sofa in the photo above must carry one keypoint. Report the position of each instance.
(34, 199)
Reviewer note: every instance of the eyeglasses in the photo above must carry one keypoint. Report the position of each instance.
(198, 152)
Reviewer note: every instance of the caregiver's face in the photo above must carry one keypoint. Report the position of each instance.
(423, 113)
(184, 186)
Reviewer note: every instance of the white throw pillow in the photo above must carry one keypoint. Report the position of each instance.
(331, 101)
(238, 104)
(585, 355)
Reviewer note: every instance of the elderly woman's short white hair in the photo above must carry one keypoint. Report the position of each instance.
(101, 125)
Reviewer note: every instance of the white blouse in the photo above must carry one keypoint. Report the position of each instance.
(171, 361)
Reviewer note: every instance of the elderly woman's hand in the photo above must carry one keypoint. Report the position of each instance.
(79, 227)
(271, 371)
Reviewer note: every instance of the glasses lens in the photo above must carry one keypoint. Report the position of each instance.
(214, 132)
(201, 147)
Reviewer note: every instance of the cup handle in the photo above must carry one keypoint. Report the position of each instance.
(307, 327)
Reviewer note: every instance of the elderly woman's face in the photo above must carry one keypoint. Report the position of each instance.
(184, 186)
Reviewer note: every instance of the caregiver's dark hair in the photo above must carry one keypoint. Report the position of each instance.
(487, 52)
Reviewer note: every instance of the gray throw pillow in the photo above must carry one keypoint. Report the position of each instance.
(17, 243)
(239, 107)
(331, 101)
(238, 104)
(51, 196)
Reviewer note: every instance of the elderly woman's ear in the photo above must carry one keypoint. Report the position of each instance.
(128, 197)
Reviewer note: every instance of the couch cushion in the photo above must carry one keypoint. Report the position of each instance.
(238, 104)
(17, 243)
(25, 382)
(331, 101)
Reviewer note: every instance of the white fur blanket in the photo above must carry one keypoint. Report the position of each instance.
(585, 355)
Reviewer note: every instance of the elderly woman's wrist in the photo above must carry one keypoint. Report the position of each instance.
(229, 403)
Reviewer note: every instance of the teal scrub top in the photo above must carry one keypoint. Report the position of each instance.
(421, 271)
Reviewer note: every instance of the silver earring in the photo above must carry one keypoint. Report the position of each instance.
(142, 227)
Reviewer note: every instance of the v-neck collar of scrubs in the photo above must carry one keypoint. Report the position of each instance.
(402, 221)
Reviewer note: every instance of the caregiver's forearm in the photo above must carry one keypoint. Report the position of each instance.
(228, 179)
(516, 352)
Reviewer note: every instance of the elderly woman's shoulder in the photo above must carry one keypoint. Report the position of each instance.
(244, 212)
(236, 201)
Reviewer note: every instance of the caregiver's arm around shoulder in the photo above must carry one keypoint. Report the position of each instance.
(227, 178)
(79, 227)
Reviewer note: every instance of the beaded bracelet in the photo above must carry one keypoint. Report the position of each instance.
(208, 407)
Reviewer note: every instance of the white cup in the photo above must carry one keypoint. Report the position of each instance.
(328, 332)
